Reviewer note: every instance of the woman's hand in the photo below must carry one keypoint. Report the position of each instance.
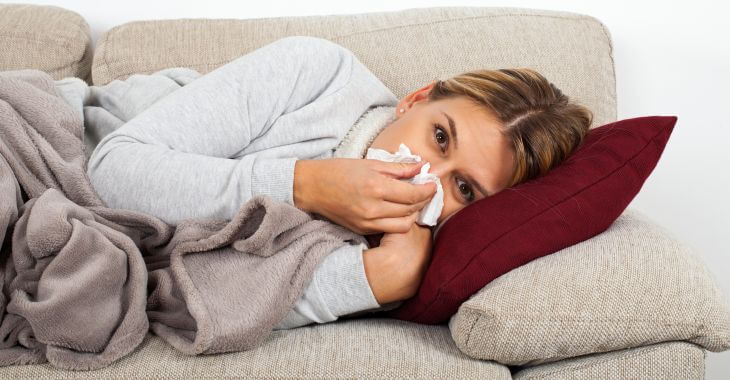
(396, 267)
(366, 196)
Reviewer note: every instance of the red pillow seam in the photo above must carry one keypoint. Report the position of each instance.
(481, 251)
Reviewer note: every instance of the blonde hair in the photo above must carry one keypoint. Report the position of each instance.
(542, 125)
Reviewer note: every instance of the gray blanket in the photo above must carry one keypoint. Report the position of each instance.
(82, 283)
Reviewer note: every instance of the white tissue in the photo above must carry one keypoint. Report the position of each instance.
(430, 213)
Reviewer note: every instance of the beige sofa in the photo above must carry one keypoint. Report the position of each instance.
(631, 302)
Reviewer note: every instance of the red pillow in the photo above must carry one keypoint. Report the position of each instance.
(573, 202)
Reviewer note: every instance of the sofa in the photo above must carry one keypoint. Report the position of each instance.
(655, 309)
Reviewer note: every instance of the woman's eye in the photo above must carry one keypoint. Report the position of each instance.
(441, 136)
(465, 190)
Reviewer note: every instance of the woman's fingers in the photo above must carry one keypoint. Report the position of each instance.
(400, 169)
(395, 225)
(387, 209)
(407, 193)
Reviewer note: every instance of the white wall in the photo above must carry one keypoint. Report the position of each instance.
(670, 60)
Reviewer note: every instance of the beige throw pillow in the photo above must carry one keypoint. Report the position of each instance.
(632, 285)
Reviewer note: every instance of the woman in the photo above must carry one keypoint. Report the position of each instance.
(293, 120)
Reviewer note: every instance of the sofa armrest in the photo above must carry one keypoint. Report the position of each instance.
(46, 38)
(668, 360)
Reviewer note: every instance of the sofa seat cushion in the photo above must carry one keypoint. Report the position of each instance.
(47, 38)
(348, 348)
(670, 360)
(632, 285)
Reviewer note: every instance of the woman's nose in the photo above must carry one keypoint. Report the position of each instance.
(439, 168)
(439, 165)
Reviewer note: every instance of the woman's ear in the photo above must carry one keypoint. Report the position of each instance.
(414, 97)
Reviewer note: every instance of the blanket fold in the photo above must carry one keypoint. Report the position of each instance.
(82, 284)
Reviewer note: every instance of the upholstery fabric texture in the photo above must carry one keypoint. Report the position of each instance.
(377, 349)
(670, 361)
(634, 284)
(576, 53)
(47, 38)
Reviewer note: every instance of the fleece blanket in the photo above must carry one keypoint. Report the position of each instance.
(82, 283)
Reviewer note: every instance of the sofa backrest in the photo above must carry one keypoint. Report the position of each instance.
(406, 49)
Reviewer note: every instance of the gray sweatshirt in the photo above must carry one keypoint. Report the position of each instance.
(237, 131)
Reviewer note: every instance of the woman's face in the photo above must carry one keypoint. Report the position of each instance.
(477, 154)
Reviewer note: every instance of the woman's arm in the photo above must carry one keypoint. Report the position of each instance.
(379, 272)
(338, 287)
(354, 278)
(183, 156)
(396, 267)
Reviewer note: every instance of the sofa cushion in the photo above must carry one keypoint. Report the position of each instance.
(632, 285)
(670, 360)
(352, 349)
(45, 37)
(571, 203)
(406, 49)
